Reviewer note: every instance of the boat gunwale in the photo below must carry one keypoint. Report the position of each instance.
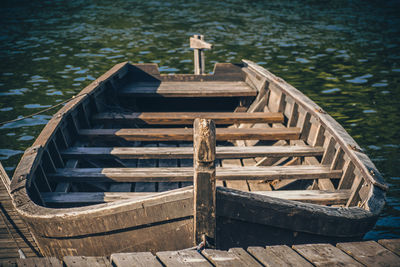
(340, 135)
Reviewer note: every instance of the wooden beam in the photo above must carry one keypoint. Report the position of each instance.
(187, 152)
(186, 118)
(321, 197)
(186, 134)
(188, 89)
(204, 191)
(184, 174)
(91, 197)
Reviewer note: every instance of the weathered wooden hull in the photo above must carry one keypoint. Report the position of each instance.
(164, 221)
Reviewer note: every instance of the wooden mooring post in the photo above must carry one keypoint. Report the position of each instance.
(204, 182)
(198, 44)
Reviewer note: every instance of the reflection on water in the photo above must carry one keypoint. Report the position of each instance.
(342, 54)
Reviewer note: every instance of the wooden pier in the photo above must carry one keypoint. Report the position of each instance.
(385, 252)
(15, 237)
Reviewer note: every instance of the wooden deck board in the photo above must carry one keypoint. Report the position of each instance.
(280, 255)
(325, 255)
(176, 118)
(184, 174)
(14, 233)
(221, 258)
(391, 244)
(182, 258)
(139, 259)
(187, 152)
(186, 134)
(78, 261)
(188, 89)
(370, 253)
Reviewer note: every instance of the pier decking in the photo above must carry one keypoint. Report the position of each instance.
(385, 252)
(14, 234)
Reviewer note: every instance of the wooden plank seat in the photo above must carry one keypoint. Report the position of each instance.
(185, 174)
(187, 152)
(188, 89)
(186, 118)
(91, 197)
(186, 134)
(322, 197)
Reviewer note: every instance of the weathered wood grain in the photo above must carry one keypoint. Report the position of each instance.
(45, 262)
(325, 255)
(222, 258)
(186, 134)
(187, 152)
(244, 257)
(281, 255)
(370, 253)
(391, 244)
(176, 118)
(321, 197)
(204, 190)
(91, 197)
(78, 261)
(183, 258)
(139, 259)
(183, 174)
(188, 89)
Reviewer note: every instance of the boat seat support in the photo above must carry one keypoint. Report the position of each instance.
(204, 192)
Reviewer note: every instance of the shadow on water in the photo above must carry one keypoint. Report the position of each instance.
(342, 54)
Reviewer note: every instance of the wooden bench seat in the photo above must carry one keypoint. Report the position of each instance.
(188, 89)
(322, 197)
(187, 118)
(186, 134)
(187, 152)
(184, 174)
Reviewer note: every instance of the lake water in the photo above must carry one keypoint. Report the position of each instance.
(342, 54)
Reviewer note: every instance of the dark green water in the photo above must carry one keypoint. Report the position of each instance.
(344, 55)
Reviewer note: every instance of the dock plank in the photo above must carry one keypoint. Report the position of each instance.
(184, 174)
(187, 152)
(244, 256)
(391, 244)
(222, 258)
(186, 118)
(183, 258)
(280, 255)
(45, 262)
(325, 255)
(188, 89)
(139, 259)
(78, 261)
(370, 253)
(186, 134)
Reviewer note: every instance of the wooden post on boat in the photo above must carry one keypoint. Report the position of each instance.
(204, 198)
(198, 44)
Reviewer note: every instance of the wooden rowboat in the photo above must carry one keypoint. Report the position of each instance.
(112, 171)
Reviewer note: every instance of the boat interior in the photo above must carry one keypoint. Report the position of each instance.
(129, 136)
